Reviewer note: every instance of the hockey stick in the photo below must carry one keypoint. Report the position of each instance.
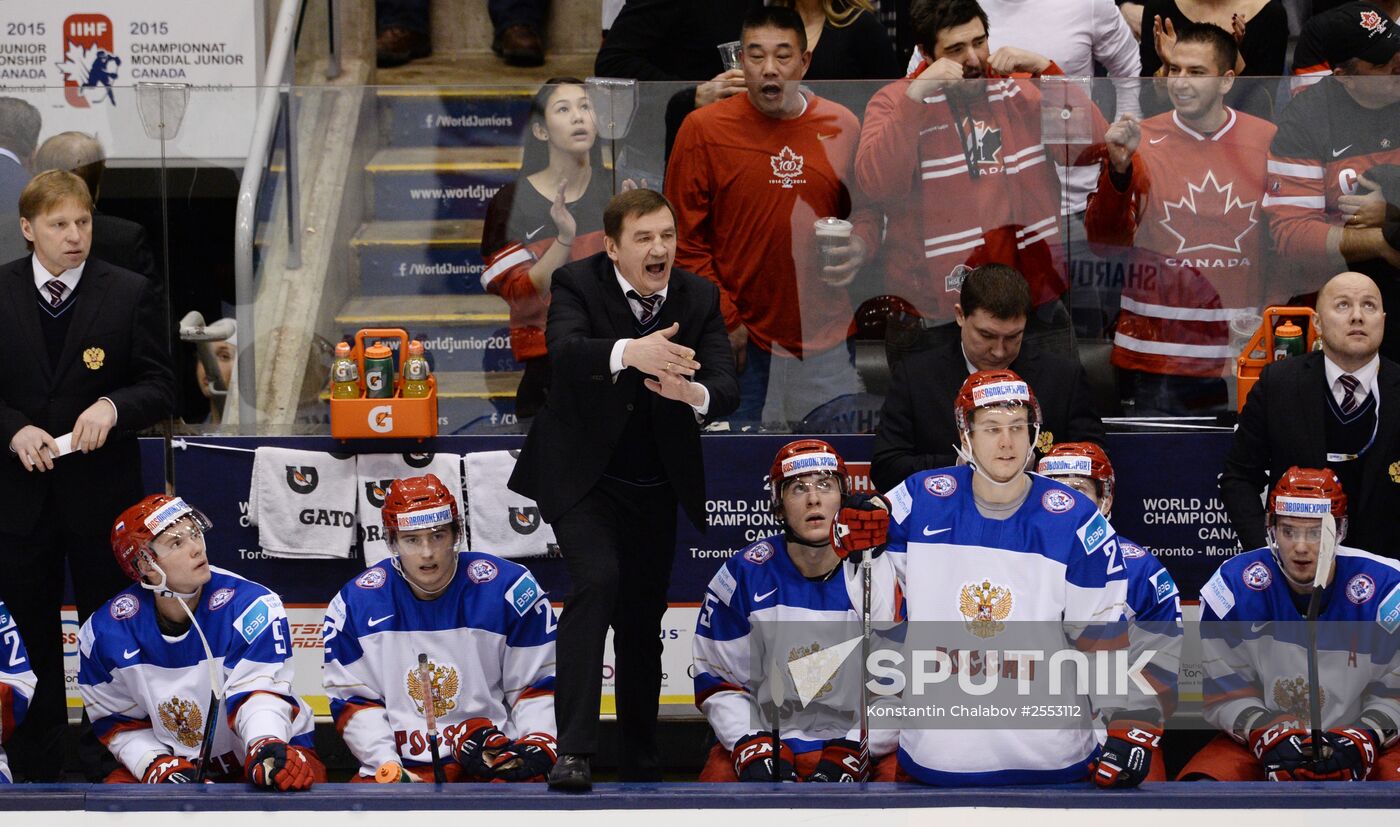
(867, 562)
(1326, 557)
(425, 679)
(216, 693)
(776, 693)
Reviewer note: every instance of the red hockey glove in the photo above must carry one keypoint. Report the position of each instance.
(1128, 754)
(1350, 753)
(840, 762)
(753, 759)
(528, 759)
(169, 769)
(475, 744)
(273, 764)
(1278, 745)
(862, 524)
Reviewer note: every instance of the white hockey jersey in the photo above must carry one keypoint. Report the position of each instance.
(147, 693)
(1254, 640)
(16, 684)
(489, 639)
(1055, 560)
(761, 585)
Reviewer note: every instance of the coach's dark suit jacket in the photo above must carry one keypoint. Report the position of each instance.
(123, 243)
(917, 430)
(116, 312)
(1284, 424)
(576, 433)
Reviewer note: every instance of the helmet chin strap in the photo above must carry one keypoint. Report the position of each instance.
(163, 587)
(966, 456)
(394, 547)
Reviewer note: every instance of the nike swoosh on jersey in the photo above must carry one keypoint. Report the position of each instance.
(375, 621)
(929, 532)
(129, 655)
(530, 235)
(1156, 140)
(759, 598)
(1255, 627)
(821, 137)
(1337, 153)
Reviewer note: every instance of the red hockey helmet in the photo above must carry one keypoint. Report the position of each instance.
(1309, 492)
(138, 526)
(418, 502)
(1079, 459)
(990, 388)
(805, 456)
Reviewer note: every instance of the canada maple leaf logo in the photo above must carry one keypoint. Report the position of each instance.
(787, 166)
(1210, 217)
(1371, 21)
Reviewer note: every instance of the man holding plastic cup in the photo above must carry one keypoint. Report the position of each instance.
(760, 183)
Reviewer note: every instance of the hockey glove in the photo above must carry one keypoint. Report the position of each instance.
(1279, 747)
(1348, 755)
(475, 744)
(840, 762)
(169, 769)
(862, 524)
(529, 759)
(273, 764)
(1127, 755)
(753, 759)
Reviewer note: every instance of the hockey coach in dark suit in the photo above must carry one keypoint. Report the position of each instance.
(641, 361)
(86, 355)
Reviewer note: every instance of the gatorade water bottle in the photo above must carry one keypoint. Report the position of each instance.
(345, 374)
(415, 371)
(1288, 340)
(379, 371)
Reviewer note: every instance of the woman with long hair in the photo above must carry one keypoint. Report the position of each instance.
(551, 215)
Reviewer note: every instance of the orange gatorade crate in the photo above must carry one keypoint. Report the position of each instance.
(1260, 349)
(366, 418)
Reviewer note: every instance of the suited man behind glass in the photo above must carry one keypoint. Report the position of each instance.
(1338, 409)
(917, 431)
(87, 355)
(640, 360)
(115, 240)
(19, 134)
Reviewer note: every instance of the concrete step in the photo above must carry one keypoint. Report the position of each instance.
(455, 116)
(406, 258)
(465, 26)
(459, 332)
(456, 68)
(469, 401)
(428, 183)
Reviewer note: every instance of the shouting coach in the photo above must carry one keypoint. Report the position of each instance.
(641, 361)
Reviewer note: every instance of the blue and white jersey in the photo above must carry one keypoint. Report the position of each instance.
(147, 693)
(762, 585)
(1257, 657)
(489, 638)
(1154, 606)
(16, 684)
(1055, 560)
(1152, 593)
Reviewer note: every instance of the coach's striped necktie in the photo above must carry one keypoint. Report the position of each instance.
(1349, 385)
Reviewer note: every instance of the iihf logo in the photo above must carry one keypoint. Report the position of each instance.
(89, 66)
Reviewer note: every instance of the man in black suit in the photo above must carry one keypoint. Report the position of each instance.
(640, 360)
(115, 240)
(1324, 410)
(87, 356)
(917, 431)
(19, 134)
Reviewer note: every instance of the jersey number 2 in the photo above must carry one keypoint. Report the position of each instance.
(12, 638)
(1115, 557)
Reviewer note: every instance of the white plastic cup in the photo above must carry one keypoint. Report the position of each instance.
(832, 233)
(729, 54)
